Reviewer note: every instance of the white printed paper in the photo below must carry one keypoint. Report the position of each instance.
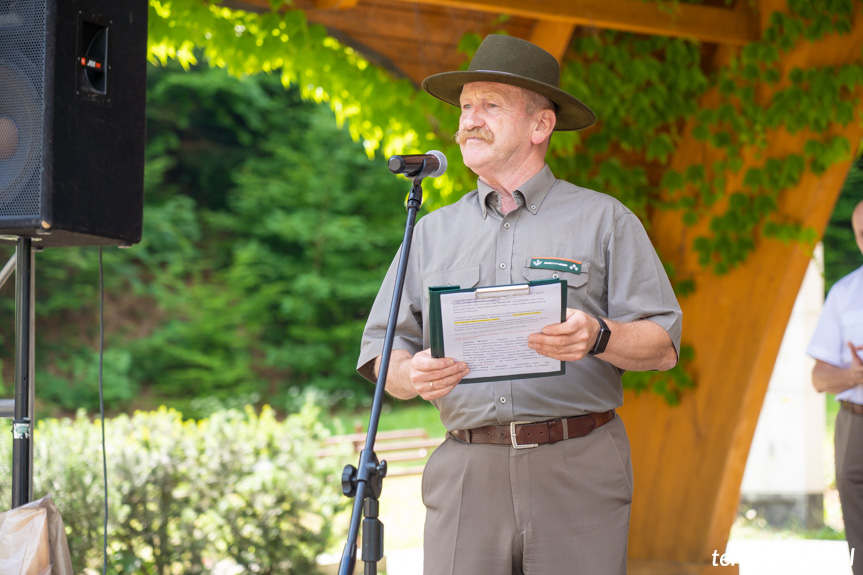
(490, 333)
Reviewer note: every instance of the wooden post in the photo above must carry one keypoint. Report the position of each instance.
(689, 460)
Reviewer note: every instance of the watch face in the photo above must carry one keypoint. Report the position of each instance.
(603, 340)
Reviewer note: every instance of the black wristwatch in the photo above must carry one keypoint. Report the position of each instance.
(601, 339)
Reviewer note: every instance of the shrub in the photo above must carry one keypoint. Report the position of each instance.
(238, 488)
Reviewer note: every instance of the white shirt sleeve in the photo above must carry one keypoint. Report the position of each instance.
(827, 343)
(841, 321)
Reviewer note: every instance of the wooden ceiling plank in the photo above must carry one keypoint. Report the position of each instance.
(553, 37)
(705, 23)
(416, 63)
(716, 24)
(438, 28)
(335, 4)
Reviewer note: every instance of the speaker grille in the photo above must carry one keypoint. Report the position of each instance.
(22, 117)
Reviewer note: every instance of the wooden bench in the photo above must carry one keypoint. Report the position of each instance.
(399, 446)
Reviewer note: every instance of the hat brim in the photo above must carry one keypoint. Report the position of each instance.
(572, 113)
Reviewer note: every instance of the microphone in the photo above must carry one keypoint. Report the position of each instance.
(416, 166)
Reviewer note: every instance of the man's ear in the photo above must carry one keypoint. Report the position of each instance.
(544, 126)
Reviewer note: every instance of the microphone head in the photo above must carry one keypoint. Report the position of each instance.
(441, 159)
(418, 166)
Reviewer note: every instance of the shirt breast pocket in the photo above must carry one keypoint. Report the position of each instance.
(576, 283)
(852, 326)
(463, 278)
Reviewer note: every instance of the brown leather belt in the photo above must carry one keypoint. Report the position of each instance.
(854, 408)
(522, 434)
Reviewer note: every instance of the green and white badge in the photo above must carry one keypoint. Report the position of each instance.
(558, 264)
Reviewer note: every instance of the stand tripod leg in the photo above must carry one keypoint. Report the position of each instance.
(22, 422)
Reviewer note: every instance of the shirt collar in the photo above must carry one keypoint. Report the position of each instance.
(534, 191)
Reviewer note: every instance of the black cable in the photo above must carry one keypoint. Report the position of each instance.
(102, 410)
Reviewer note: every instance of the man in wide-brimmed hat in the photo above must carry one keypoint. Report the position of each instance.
(552, 495)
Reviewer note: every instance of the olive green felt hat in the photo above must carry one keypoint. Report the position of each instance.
(510, 60)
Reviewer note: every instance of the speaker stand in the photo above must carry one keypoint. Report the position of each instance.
(7, 406)
(22, 411)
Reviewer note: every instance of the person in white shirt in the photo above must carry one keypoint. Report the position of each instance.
(837, 347)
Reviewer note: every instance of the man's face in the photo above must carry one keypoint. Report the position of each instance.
(494, 129)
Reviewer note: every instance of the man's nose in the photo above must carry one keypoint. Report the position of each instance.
(469, 119)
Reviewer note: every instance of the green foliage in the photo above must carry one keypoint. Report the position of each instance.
(669, 385)
(67, 329)
(321, 212)
(387, 115)
(239, 488)
(275, 280)
(83, 362)
(640, 88)
(812, 102)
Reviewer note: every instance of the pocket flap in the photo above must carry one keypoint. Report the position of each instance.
(466, 277)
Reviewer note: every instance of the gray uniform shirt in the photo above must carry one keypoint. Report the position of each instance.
(469, 244)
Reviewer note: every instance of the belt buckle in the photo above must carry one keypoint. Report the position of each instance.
(514, 441)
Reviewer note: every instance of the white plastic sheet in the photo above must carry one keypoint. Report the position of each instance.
(33, 540)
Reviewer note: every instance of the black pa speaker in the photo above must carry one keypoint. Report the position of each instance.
(72, 103)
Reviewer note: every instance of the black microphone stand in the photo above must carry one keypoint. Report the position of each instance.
(365, 482)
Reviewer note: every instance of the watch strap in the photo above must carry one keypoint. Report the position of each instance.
(602, 337)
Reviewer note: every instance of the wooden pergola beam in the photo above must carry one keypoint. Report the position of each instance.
(716, 24)
(688, 461)
(735, 26)
(553, 37)
(335, 4)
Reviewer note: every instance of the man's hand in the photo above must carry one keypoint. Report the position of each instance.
(434, 377)
(640, 345)
(567, 341)
(855, 370)
(421, 374)
(833, 379)
(856, 359)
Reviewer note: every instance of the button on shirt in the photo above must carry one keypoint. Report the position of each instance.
(470, 243)
(841, 321)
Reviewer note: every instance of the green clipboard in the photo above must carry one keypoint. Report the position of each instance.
(436, 329)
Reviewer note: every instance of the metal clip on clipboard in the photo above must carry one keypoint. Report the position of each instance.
(503, 291)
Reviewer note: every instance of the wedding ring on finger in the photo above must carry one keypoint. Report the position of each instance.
(431, 385)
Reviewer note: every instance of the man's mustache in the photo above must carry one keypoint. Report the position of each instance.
(480, 133)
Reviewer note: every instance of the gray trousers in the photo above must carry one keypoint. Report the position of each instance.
(848, 443)
(560, 509)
